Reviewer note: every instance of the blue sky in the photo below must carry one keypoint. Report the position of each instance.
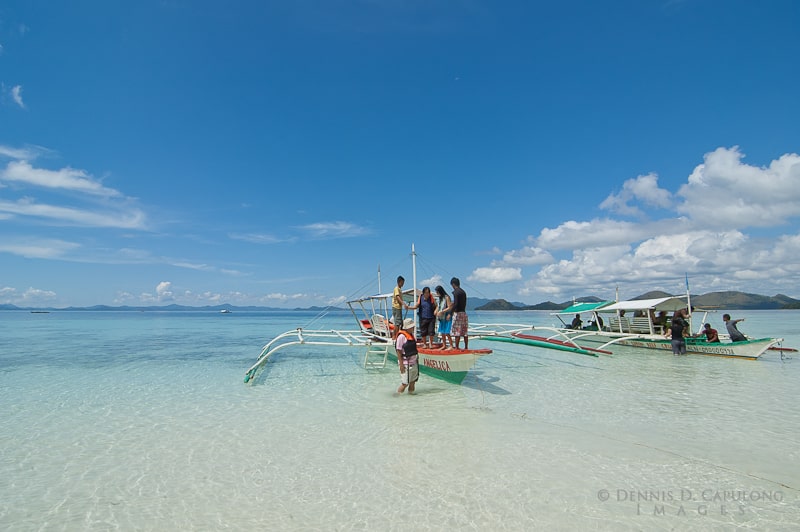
(275, 153)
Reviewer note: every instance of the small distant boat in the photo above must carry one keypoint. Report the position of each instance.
(40, 312)
(224, 311)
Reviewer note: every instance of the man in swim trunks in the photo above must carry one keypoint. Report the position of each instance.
(459, 309)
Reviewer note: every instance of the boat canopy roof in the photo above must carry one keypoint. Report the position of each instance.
(669, 304)
(577, 308)
(408, 295)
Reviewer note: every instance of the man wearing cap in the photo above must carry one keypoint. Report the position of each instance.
(406, 346)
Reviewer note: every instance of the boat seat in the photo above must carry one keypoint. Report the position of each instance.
(638, 325)
(616, 324)
(380, 326)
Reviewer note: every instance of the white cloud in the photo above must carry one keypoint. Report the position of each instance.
(16, 95)
(65, 178)
(527, 256)
(77, 198)
(277, 296)
(725, 193)
(164, 291)
(256, 238)
(32, 248)
(643, 188)
(130, 219)
(701, 230)
(495, 275)
(32, 297)
(431, 281)
(598, 232)
(324, 230)
(27, 153)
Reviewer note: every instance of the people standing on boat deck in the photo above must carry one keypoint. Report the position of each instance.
(711, 334)
(397, 305)
(577, 323)
(445, 318)
(427, 316)
(675, 332)
(459, 309)
(733, 331)
(406, 347)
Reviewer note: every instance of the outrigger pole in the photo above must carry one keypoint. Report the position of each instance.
(414, 281)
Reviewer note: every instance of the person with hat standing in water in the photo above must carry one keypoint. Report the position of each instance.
(406, 346)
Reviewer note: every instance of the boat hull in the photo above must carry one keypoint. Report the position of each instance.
(749, 350)
(448, 365)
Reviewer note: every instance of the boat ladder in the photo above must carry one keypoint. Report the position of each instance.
(375, 357)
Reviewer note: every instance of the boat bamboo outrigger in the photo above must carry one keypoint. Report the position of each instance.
(374, 335)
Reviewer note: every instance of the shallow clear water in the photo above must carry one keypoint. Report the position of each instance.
(114, 420)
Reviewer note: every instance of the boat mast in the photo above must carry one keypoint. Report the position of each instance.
(414, 277)
(689, 303)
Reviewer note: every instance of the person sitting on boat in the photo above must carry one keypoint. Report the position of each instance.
(577, 322)
(406, 347)
(733, 331)
(445, 318)
(711, 334)
(675, 332)
(427, 316)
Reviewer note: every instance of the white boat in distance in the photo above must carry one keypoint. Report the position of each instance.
(632, 324)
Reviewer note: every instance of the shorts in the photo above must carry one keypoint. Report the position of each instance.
(397, 318)
(445, 326)
(427, 327)
(679, 347)
(411, 374)
(460, 324)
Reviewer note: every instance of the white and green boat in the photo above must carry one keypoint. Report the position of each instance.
(634, 324)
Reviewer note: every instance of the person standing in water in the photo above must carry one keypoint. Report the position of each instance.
(406, 347)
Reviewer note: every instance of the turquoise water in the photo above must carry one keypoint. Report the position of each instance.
(141, 421)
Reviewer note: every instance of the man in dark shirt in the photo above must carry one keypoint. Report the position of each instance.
(459, 308)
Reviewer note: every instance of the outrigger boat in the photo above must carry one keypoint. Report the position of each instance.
(374, 335)
(634, 324)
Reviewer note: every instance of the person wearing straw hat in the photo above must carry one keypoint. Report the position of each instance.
(406, 346)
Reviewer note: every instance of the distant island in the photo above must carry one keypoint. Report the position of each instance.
(732, 300)
(722, 300)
